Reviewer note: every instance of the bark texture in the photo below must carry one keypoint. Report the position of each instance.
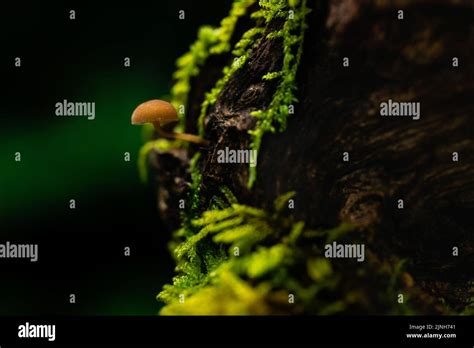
(390, 158)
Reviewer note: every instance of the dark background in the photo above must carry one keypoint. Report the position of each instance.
(82, 251)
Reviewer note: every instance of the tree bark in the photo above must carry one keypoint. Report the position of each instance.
(390, 158)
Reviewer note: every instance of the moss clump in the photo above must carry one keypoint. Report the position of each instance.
(244, 260)
(292, 33)
(275, 116)
(193, 200)
(210, 41)
(240, 53)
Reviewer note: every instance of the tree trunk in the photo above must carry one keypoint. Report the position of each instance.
(389, 158)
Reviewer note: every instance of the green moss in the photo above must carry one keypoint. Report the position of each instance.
(193, 201)
(210, 41)
(157, 145)
(244, 260)
(231, 297)
(240, 53)
(292, 33)
(275, 116)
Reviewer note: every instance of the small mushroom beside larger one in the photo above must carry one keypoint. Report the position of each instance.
(159, 112)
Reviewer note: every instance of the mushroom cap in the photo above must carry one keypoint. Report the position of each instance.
(154, 111)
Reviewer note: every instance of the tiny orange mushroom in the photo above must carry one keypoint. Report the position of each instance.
(159, 112)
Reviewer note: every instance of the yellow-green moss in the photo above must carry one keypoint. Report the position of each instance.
(275, 116)
(292, 33)
(158, 145)
(240, 53)
(243, 260)
(210, 41)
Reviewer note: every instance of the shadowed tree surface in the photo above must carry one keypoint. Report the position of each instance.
(390, 158)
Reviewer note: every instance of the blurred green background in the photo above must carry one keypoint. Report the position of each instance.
(63, 158)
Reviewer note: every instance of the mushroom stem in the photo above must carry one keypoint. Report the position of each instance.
(181, 136)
